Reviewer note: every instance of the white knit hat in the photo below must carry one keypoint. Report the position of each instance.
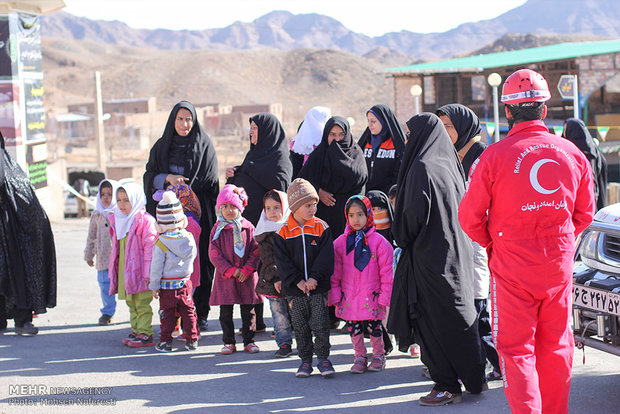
(170, 214)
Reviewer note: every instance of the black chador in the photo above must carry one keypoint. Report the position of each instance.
(192, 156)
(27, 252)
(433, 295)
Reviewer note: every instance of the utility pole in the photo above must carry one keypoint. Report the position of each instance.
(99, 136)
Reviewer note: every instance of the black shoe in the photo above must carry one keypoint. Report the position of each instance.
(164, 346)
(106, 320)
(27, 330)
(191, 346)
(203, 323)
(284, 351)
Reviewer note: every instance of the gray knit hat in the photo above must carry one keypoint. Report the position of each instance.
(300, 192)
(170, 214)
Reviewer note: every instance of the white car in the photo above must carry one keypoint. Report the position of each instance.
(596, 283)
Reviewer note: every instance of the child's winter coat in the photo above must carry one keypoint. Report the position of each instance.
(362, 295)
(141, 238)
(226, 289)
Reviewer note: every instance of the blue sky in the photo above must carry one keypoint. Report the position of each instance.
(370, 17)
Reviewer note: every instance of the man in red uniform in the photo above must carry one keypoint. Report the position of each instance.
(529, 196)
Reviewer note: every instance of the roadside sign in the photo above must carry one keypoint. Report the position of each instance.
(566, 86)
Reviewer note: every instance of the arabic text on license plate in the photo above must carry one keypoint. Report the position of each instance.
(600, 300)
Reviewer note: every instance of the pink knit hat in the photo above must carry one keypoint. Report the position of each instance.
(231, 194)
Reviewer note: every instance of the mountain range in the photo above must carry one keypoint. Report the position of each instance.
(286, 31)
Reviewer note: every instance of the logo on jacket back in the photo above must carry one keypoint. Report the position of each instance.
(534, 176)
(313, 243)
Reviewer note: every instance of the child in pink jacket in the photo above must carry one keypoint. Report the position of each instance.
(362, 282)
(133, 237)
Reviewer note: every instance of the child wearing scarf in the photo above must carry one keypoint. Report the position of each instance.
(99, 243)
(362, 282)
(133, 235)
(275, 214)
(235, 255)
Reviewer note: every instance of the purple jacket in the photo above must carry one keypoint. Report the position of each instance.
(365, 295)
(140, 241)
(226, 289)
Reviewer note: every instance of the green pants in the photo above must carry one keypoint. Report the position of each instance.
(140, 312)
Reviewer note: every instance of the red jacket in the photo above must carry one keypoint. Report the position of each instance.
(534, 186)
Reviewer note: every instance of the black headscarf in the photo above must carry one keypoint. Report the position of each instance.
(576, 132)
(465, 121)
(339, 167)
(467, 126)
(27, 251)
(267, 165)
(380, 199)
(390, 122)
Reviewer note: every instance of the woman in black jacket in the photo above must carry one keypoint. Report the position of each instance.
(383, 143)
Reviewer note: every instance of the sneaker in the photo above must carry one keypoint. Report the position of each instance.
(191, 346)
(165, 346)
(272, 335)
(284, 351)
(415, 351)
(494, 376)
(105, 320)
(326, 368)
(377, 364)
(252, 348)
(27, 330)
(304, 370)
(129, 338)
(228, 349)
(360, 365)
(177, 331)
(436, 398)
(141, 341)
(203, 323)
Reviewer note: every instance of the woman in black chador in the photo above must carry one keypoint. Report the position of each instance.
(576, 132)
(267, 165)
(433, 296)
(27, 253)
(336, 168)
(185, 154)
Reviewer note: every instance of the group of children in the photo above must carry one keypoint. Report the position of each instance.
(290, 258)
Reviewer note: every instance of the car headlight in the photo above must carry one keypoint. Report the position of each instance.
(589, 246)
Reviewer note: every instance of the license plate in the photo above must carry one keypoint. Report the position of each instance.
(596, 299)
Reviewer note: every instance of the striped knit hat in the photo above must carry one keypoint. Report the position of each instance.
(170, 214)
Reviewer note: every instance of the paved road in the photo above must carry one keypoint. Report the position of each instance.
(73, 351)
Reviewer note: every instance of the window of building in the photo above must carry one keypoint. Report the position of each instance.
(428, 89)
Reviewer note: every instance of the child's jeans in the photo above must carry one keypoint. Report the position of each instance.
(109, 301)
(310, 316)
(228, 326)
(171, 301)
(375, 331)
(281, 322)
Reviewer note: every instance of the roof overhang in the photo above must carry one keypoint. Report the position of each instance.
(31, 6)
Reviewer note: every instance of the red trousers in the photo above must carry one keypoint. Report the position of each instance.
(180, 300)
(535, 344)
